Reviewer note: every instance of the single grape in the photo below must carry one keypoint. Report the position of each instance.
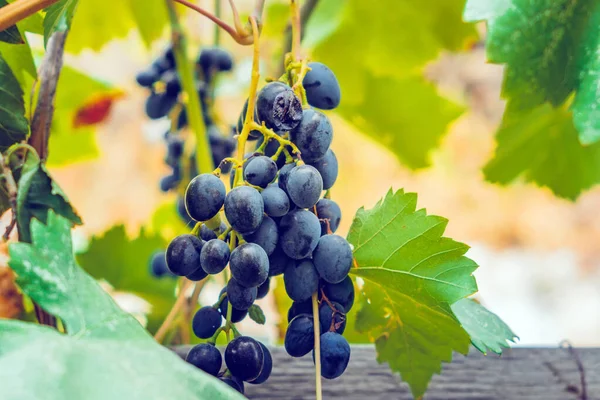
(214, 256)
(328, 168)
(197, 275)
(342, 293)
(163, 64)
(322, 87)
(244, 209)
(206, 357)
(158, 265)
(241, 298)
(204, 197)
(332, 258)
(147, 78)
(299, 233)
(249, 265)
(174, 150)
(183, 254)
(299, 307)
(260, 171)
(335, 355)
(313, 135)
(171, 81)
(235, 383)
(158, 105)
(206, 321)
(169, 182)
(284, 173)
(304, 186)
(266, 236)
(263, 289)
(183, 214)
(332, 319)
(267, 367)
(329, 214)
(214, 58)
(278, 262)
(279, 107)
(244, 358)
(301, 280)
(276, 202)
(207, 234)
(299, 337)
(236, 315)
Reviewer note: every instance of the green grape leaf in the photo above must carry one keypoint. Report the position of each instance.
(70, 143)
(59, 17)
(542, 145)
(256, 314)
(20, 60)
(412, 274)
(10, 34)
(487, 330)
(124, 263)
(151, 19)
(106, 354)
(384, 93)
(552, 56)
(37, 194)
(13, 124)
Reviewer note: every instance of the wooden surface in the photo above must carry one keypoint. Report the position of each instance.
(521, 373)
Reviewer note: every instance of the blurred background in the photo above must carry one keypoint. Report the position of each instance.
(539, 254)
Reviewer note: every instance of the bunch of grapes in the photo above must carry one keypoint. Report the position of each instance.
(280, 220)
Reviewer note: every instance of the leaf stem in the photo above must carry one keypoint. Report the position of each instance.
(317, 331)
(12, 13)
(179, 302)
(188, 84)
(217, 7)
(296, 28)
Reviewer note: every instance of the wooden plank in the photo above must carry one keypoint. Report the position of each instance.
(519, 374)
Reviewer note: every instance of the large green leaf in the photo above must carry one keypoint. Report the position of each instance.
(151, 18)
(13, 124)
(379, 66)
(412, 274)
(38, 194)
(486, 329)
(10, 34)
(107, 353)
(124, 263)
(59, 17)
(69, 143)
(551, 50)
(542, 145)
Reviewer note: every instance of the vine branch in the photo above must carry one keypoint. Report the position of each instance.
(179, 303)
(12, 13)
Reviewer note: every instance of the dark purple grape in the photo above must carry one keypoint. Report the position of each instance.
(244, 358)
(279, 107)
(206, 357)
(322, 87)
(335, 355)
(260, 171)
(183, 255)
(206, 321)
(332, 258)
(175, 146)
(299, 337)
(214, 256)
(148, 77)
(333, 319)
(313, 135)
(182, 212)
(328, 168)
(276, 201)
(299, 233)
(197, 275)
(299, 307)
(301, 280)
(249, 265)
(329, 214)
(214, 59)
(342, 293)
(233, 382)
(236, 315)
(304, 186)
(169, 182)
(158, 265)
(204, 197)
(266, 236)
(241, 298)
(263, 289)
(244, 209)
(267, 367)
(172, 85)
(278, 262)
(284, 173)
(158, 105)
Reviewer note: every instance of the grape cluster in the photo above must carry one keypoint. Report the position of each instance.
(280, 220)
(165, 99)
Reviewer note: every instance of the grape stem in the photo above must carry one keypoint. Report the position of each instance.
(179, 302)
(295, 21)
(317, 331)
